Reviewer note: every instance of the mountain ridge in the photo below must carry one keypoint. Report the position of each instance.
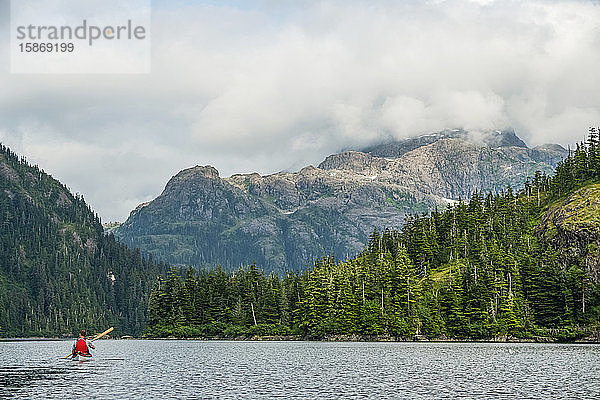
(284, 220)
(396, 147)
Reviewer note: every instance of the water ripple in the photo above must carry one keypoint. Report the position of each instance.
(300, 370)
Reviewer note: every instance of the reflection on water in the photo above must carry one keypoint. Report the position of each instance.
(304, 370)
(20, 376)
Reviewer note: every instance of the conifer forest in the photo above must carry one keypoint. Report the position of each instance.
(59, 272)
(516, 264)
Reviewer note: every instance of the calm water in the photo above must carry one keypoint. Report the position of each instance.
(143, 369)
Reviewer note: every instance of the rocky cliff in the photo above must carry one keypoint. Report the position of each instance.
(572, 226)
(284, 221)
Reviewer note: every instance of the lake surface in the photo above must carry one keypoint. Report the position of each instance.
(146, 369)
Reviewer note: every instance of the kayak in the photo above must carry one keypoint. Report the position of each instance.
(82, 357)
(86, 357)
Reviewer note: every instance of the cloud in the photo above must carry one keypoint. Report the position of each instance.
(265, 86)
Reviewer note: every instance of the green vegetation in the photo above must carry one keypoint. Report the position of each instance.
(507, 264)
(519, 264)
(59, 273)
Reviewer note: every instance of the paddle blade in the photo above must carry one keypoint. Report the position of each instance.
(106, 332)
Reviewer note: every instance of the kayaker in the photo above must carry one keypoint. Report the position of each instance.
(82, 346)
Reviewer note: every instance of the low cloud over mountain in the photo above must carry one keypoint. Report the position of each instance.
(271, 86)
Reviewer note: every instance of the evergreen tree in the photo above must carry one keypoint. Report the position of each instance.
(481, 269)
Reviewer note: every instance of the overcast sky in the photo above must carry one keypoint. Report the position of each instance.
(275, 85)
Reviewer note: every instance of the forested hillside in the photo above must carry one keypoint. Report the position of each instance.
(58, 272)
(510, 264)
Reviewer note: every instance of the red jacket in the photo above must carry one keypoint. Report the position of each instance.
(81, 346)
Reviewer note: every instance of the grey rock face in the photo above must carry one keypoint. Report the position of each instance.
(285, 221)
(493, 139)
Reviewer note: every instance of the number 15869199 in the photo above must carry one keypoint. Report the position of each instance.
(46, 47)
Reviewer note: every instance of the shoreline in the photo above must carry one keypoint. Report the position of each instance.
(335, 338)
(349, 339)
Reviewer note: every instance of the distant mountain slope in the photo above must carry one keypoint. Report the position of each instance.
(494, 139)
(58, 272)
(285, 220)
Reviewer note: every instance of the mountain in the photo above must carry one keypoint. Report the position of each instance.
(59, 273)
(501, 266)
(285, 220)
(494, 139)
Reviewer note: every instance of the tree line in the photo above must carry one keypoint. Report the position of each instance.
(480, 269)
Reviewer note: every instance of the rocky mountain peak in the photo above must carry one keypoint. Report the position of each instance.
(394, 148)
(286, 220)
(308, 170)
(350, 160)
(553, 147)
(500, 138)
(207, 171)
(194, 174)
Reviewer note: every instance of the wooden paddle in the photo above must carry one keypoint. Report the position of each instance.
(106, 332)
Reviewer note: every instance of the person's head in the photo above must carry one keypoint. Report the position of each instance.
(82, 334)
